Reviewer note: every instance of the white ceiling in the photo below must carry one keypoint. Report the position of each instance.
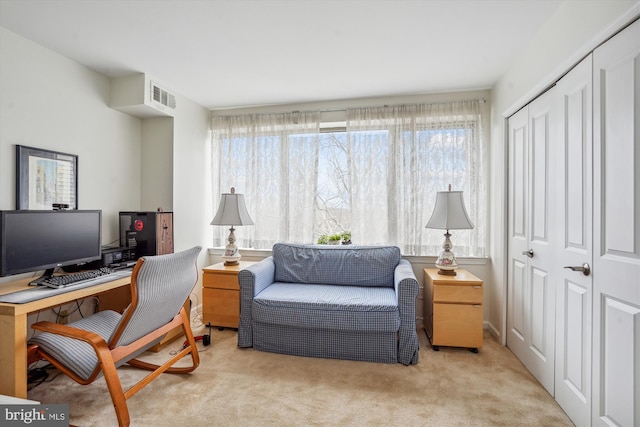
(236, 53)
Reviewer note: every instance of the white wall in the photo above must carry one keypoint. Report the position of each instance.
(575, 29)
(51, 102)
(157, 164)
(191, 178)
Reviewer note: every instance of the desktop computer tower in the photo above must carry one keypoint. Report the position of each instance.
(148, 233)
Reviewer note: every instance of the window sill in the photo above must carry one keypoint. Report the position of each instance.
(257, 254)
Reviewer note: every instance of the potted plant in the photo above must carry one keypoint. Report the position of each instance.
(334, 239)
(323, 239)
(346, 237)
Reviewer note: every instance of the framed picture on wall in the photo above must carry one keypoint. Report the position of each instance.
(45, 178)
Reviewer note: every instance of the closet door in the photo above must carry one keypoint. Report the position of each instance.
(573, 206)
(531, 288)
(616, 269)
(517, 269)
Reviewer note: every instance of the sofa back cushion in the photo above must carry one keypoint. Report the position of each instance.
(335, 265)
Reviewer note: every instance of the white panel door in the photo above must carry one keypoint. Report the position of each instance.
(616, 269)
(531, 288)
(573, 209)
(518, 262)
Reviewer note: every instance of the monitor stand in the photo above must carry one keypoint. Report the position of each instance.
(39, 281)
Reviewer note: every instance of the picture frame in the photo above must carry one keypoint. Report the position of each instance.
(45, 178)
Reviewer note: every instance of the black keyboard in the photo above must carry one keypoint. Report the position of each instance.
(72, 279)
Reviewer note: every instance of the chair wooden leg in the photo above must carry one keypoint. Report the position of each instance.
(115, 389)
(32, 354)
(164, 367)
(191, 348)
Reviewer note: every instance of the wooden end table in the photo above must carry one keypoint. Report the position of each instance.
(221, 294)
(453, 309)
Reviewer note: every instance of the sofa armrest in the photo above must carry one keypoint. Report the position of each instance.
(406, 286)
(252, 281)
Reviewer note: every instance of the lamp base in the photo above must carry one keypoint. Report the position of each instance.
(231, 255)
(446, 262)
(232, 260)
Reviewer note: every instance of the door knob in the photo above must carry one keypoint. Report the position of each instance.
(528, 253)
(586, 270)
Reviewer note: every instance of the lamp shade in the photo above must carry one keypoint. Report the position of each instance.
(449, 212)
(232, 210)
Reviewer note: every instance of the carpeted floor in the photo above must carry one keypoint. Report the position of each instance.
(244, 387)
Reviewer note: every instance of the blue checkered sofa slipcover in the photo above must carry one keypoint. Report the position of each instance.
(342, 302)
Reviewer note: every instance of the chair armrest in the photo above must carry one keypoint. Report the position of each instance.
(252, 281)
(70, 332)
(405, 280)
(81, 359)
(258, 276)
(406, 286)
(100, 346)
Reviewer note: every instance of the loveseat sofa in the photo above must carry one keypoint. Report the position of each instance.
(343, 302)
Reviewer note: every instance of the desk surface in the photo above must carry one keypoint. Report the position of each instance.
(54, 300)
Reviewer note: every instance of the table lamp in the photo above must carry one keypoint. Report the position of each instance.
(232, 211)
(449, 214)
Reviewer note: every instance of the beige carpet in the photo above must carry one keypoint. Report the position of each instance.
(244, 387)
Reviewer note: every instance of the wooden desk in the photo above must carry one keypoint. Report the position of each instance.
(13, 330)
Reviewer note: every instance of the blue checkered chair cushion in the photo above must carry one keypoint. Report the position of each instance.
(77, 355)
(353, 308)
(335, 265)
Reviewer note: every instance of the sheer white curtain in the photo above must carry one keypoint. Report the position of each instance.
(400, 157)
(272, 159)
(378, 179)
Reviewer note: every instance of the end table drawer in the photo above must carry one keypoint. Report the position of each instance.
(458, 294)
(220, 307)
(458, 325)
(221, 281)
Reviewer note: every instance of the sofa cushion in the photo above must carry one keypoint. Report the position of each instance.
(335, 265)
(335, 307)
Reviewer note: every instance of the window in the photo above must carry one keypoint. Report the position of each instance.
(333, 201)
(377, 179)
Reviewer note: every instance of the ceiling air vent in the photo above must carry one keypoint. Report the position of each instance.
(162, 96)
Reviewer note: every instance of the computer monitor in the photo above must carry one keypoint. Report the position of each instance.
(31, 241)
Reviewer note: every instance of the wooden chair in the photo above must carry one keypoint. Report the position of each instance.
(105, 340)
